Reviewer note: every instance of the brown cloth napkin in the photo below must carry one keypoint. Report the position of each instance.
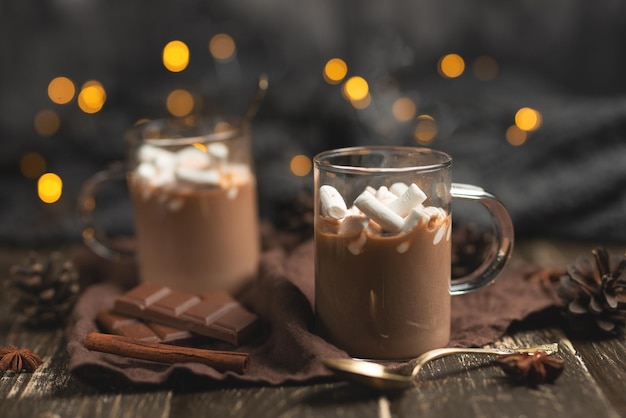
(289, 351)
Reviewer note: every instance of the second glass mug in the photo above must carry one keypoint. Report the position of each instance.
(193, 192)
(383, 265)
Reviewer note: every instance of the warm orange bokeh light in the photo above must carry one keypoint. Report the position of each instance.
(528, 119)
(403, 109)
(451, 66)
(49, 187)
(47, 122)
(222, 47)
(61, 90)
(180, 102)
(92, 97)
(335, 70)
(356, 88)
(301, 165)
(425, 130)
(516, 136)
(176, 56)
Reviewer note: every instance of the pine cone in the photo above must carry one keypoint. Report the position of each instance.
(47, 288)
(596, 297)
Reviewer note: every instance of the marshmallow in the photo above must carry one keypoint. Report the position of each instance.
(378, 212)
(384, 195)
(371, 190)
(218, 150)
(437, 216)
(398, 188)
(162, 178)
(332, 202)
(354, 211)
(235, 174)
(149, 153)
(356, 246)
(352, 225)
(411, 198)
(163, 164)
(374, 229)
(414, 218)
(198, 176)
(146, 170)
(165, 161)
(192, 157)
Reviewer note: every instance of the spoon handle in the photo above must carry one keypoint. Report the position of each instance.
(428, 356)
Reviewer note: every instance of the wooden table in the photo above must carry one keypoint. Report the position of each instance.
(593, 383)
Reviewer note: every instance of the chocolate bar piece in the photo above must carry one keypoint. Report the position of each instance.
(215, 314)
(135, 328)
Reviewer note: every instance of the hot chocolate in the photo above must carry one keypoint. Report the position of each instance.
(383, 294)
(196, 222)
(383, 229)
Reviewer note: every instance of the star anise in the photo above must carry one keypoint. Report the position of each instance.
(595, 294)
(532, 368)
(19, 359)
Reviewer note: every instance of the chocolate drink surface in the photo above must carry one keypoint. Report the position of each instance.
(197, 238)
(384, 296)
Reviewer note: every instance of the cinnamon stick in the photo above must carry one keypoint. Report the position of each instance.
(163, 353)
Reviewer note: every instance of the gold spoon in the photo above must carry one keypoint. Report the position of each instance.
(379, 377)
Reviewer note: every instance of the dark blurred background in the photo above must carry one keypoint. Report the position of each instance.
(560, 167)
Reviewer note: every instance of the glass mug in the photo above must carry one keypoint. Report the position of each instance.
(383, 281)
(193, 192)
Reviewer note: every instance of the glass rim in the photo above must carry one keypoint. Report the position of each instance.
(321, 160)
(169, 125)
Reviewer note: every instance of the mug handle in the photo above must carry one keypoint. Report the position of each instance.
(94, 237)
(491, 267)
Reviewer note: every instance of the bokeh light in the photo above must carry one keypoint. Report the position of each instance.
(403, 109)
(179, 102)
(222, 47)
(356, 88)
(425, 130)
(528, 119)
(485, 68)
(516, 136)
(300, 165)
(176, 56)
(47, 122)
(61, 90)
(32, 165)
(451, 66)
(92, 97)
(49, 187)
(335, 70)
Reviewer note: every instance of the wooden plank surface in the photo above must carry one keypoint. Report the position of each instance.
(592, 384)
